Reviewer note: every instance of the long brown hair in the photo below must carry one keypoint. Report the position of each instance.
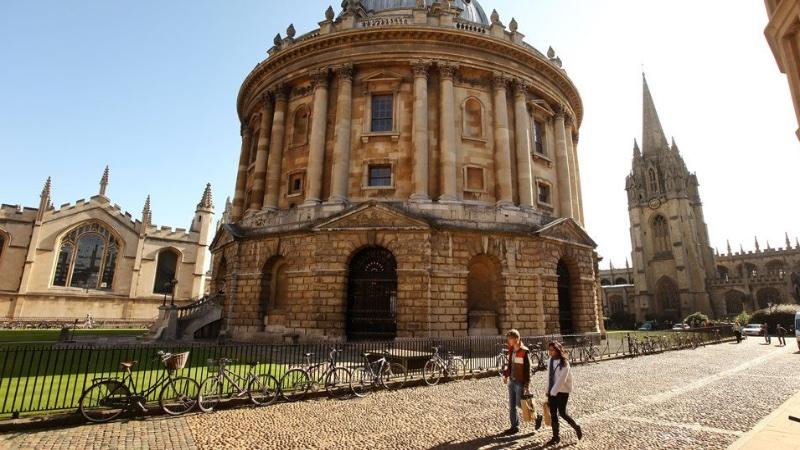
(562, 354)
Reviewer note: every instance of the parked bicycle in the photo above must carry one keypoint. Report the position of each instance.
(539, 357)
(585, 351)
(451, 366)
(501, 360)
(261, 389)
(296, 383)
(107, 398)
(378, 373)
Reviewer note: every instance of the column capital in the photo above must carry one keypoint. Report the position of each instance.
(280, 92)
(420, 68)
(319, 78)
(500, 80)
(267, 99)
(561, 112)
(345, 72)
(447, 70)
(244, 129)
(520, 87)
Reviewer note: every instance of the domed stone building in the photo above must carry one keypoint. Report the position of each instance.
(409, 169)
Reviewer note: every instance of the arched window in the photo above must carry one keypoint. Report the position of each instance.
(605, 282)
(620, 281)
(166, 269)
(668, 298)
(254, 146)
(300, 126)
(653, 179)
(87, 258)
(616, 305)
(776, 268)
(473, 118)
(748, 270)
(661, 235)
(734, 302)
(723, 272)
(768, 296)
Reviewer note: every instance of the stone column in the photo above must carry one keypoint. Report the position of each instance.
(420, 132)
(573, 172)
(241, 175)
(260, 174)
(562, 167)
(448, 171)
(522, 134)
(578, 177)
(275, 158)
(502, 144)
(340, 179)
(316, 144)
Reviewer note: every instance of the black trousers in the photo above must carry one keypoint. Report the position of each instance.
(738, 337)
(558, 407)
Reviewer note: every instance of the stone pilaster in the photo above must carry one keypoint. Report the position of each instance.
(260, 173)
(316, 144)
(448, 171)
(502, 143)
(562, 166)
(576, 175)
(275, 158)
(522, 134)
(241, 175)
(340, 178)
(420, 131)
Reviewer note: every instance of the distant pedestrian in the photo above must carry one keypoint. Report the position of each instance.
(765, 328)
(559, 386)
(781, 332)
(737, 330)
(518, 377)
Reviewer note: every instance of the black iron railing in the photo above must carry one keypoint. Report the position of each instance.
(52, 377)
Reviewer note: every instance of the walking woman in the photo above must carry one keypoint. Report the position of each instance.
(559, 386)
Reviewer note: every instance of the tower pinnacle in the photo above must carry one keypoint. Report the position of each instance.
(104, 182)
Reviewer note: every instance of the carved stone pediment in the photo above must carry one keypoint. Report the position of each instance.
(566, 230)
(373, 216)
(222, 238)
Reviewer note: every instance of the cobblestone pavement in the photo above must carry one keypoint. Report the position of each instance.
(705, 398)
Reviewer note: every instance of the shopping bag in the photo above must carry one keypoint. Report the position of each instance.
(528, 410)
(548, 421)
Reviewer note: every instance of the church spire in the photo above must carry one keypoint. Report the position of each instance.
(104, 182)
(653, 138)
(147, 215)
(206, 202)
(636, 152)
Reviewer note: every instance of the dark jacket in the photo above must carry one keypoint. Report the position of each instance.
(521, 364)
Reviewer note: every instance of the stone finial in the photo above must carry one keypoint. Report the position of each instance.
(758, 247)
(627, 264)
(278, 40)
(727, 241)
(768, 247)
(104, 182)
(788, 242)
(46, 189)
(207, 201)
(636, 152)
(147, 215)
(513, 25)
(290, 31)
(227, 214)
(551, 53)
(557, 61)
(797, 242)
(495, 18)
(716, 251)
(329, 14)
(741, 248)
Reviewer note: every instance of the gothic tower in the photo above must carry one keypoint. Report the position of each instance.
(672, 256)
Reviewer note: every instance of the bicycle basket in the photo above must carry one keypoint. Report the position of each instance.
(177, 361)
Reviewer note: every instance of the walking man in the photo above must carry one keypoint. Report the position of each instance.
(781, 335)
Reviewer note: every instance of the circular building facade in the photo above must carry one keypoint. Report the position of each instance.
(409, 169)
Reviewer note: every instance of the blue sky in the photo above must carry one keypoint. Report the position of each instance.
(149, 88)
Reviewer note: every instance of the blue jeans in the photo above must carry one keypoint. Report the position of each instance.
(515, 390)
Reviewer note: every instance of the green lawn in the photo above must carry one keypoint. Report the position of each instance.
(51, 335)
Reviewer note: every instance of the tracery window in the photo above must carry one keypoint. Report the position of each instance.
(87, 258)
(653, 181)
(661, 235)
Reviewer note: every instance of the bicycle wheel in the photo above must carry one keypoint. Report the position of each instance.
(179, 396)
(500, 364)
(394, 376)
(432, 372)
(263, 390)
(457, 369)
(104, 401)
(594, 354)
(210, 394)
(361, 382)
(337, 382)
(295, 385)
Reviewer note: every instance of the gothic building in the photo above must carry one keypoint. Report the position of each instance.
(91, 257)
(408, 169)
(675, 271)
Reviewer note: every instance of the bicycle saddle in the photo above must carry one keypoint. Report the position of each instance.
(128, 364)
(365, 355)
(252, 363)
(308, 354)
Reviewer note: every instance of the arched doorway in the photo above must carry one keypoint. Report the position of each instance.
(768, 296)
(372, 295)
(734, 303)
(565, 322)
(668, 299)
(483, 296)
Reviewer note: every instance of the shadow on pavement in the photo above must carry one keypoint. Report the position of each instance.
(493, 442)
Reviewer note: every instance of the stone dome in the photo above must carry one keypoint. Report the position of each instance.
(471, 9)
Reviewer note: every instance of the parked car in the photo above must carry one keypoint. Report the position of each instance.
(681, 327)
(797, 329)
(753, 329)
(647, 326)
